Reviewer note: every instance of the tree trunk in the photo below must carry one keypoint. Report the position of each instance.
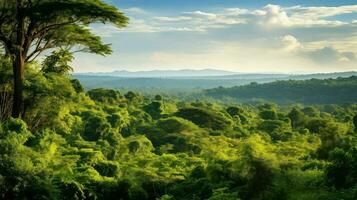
(18, 70)
(19, 61)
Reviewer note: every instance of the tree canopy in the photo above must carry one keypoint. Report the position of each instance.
(28, 28)
(108, 144)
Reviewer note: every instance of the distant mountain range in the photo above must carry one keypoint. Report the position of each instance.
(212, 74)
(162, 73)
(184, 80)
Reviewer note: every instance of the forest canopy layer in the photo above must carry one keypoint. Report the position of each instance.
(104, 144)
(313, 91)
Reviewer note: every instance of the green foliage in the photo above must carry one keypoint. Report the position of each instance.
(297, 118)
(5, 70)
(355, 122)
(158, 97)
(102, 145)
(175, 125)
(278, 130)
(206, 118)
(234, 111)
(104, 95)
(44, 101)
(154, 109)
(21, 168)
(314, 91)
(59, 24)
(268, 114)
(58, 62)
(238, 114)
(342, 172)
(77, 85)
(95, 128)
(30, 27)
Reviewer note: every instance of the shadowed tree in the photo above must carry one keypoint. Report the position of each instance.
(297, 118)
(30, 27)
(58, 62)
(355, 122)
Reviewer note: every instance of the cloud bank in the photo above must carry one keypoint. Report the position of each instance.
(271, 38)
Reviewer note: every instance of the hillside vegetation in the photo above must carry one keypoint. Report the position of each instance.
(170, 84)
(62, 141)
(313, 91)
(104, 144)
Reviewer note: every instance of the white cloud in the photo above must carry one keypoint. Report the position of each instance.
(272, 38)
(143, 26)
(135, 10)
(201, 15)
(206, 19)
(105, 30)
(236, 11)
(321, 12)
(274, 15)
(173, 19)
(200, 21)
(291, 43)
(238, 57)
(140, 25)
(269, 16)
(301, 16)
(196, 21)
(135, 25)
(343, 44)
(323, 54)
(329, 55)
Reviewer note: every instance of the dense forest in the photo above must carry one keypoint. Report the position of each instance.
(103, 144)
(60, 141)
(313, 91)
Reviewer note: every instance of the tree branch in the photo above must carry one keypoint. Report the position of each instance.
(79, 50)
(38, 51)
(51, 27)
(5, 40)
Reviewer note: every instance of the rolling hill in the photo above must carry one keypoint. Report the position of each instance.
(187, 83)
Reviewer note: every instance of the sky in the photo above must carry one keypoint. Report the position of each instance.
(290, 36)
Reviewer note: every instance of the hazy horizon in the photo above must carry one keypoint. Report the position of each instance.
(242, 36)
(129, 70)
(203, 69)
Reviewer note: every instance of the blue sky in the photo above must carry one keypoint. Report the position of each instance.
(194, 4)
(242, 36)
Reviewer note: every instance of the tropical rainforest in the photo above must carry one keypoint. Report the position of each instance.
(313, 91)
(104, 144)
(59, 140)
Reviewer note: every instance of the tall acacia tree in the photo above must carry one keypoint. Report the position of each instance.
(30, 27)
